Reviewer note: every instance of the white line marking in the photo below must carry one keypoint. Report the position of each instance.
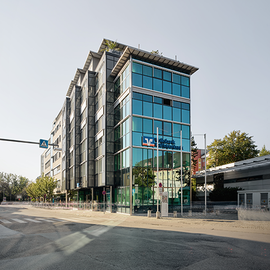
(33, 220)
(43, 219)
(18, 220)
(4, 221)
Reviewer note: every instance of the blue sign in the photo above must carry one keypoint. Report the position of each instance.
(43, 143)
(148, 141)
(163, 143)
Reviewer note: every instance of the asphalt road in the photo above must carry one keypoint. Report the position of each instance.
(44, 239)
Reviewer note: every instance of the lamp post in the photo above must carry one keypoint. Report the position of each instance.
(205, 182)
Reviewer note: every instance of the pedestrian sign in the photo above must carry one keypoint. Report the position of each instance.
(43, 143)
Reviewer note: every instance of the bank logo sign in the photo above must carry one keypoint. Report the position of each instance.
(162, 143)
(148, 141)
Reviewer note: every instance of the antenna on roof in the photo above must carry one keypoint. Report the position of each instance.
(176, 58)
(139, 46)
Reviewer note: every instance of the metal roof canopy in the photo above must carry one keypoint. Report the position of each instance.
(139, 54)
(154, 59)
(237, 166)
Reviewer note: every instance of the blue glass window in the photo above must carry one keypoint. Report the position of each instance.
(186, 145)
(167, 112)
(176, 78)
(185, 106)
(147, 109)
(185, 81)
(158, 111)
(137, 95)
(176, 89)
(177, 114)
(167, 76)
(176, 130)
(158, 100)
(147, 82)
(137, 138)
(137, 157)
(167, 87)
(185, 132)
(185, 91)
(167, 128)
(147, 98)
(177, 141)
(137, 79)
(176, 104)
(157, 73)
(157, 85)
(137, 106)
(137, 124)
(136, 68)
(147, 155)
(147, 126)
(147, 71)
(185, 116)
(158, 124)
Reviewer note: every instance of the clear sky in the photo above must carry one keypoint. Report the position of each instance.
(44, 42)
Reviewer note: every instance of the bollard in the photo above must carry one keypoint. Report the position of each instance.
(175, 214)
(149, 213)
(190, 213)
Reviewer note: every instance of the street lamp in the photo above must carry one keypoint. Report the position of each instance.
(205, 195)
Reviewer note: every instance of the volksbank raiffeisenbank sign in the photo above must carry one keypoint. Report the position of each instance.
(162, 143)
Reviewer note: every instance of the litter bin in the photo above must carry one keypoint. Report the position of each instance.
(175, 214)
(149, 213)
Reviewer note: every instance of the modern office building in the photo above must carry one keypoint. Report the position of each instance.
(110, 116)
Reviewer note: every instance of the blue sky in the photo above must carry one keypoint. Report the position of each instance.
(44, 42)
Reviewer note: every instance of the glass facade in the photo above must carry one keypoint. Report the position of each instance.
(153, 78)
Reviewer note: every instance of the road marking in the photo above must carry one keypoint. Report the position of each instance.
(33, 220)
(43, 219)
(18, 220)
(4, 221)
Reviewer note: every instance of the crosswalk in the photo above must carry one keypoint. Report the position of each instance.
(28, 220)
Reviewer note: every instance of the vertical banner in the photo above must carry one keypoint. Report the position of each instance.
(164, 204)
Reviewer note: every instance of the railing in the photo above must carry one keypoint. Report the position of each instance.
(93, 206)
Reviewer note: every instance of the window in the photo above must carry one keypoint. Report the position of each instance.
(167, 112)
(158, 124)
(137, 107)
(137, 68)
(157, 111)
(137, 124)
(157, 85)
(147, 70)
(167, 76)
(167, 128)
(147, 109)
(147, 126)
(137, 96)
(137, 79)
(157, 73)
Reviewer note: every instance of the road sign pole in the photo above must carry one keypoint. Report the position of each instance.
(158, 213)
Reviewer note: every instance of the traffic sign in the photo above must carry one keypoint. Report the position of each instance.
(160, 185)
(43, 143)
(103, 192)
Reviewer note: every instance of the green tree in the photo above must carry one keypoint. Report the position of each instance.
(44, 186)
(110, 46)
(264, 152)
(233, 147)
